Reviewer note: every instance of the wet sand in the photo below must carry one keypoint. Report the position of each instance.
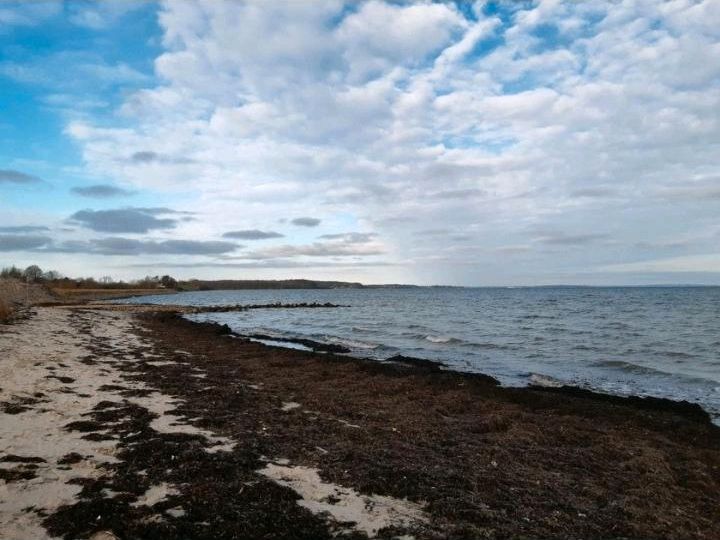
(149, 426)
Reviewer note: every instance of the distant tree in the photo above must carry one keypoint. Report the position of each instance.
(168, 282)
(148, 282)
(33, 273)
(52, 275)
(106, 279)
(87, 283)
(11, 272)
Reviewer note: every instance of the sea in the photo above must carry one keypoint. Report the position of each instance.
(647, 341)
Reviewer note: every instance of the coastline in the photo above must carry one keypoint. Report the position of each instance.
(232, 432)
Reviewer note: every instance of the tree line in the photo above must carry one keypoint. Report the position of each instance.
(35, 274)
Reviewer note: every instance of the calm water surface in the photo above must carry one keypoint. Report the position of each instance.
(662, 341)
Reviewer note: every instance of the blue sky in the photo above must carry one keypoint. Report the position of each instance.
(487, 143)
(57, 68)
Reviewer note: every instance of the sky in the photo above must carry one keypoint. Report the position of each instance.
(459, 143)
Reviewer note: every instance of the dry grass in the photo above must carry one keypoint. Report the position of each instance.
(70, 292)
(5, 311)
(83, 295)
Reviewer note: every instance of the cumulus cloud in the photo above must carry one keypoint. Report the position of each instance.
(101, 191)
(10, 176)
(306, 222)
(252, 234)
(125, 220)
(380, 35)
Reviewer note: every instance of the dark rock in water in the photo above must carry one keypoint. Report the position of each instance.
(424, 363)
(277, 305)
(224, 329)
(437, 366)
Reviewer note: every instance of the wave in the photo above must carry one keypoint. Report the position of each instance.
(442, 339)
(629, 367)
(586, 348)
(545, 380)
(636, 369)
(494, 346)
(352, 343)
(676, 354)
(284, 344)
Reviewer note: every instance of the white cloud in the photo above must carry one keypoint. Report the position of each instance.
(405, 116)
(381, 36)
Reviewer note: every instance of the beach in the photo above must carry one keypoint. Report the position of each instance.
(141, 424)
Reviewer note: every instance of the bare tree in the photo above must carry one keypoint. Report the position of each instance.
(33, 273)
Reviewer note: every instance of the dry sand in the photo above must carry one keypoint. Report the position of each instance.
(62, 366)
(45, 386)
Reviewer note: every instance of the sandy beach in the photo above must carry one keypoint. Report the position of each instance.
(140, 424)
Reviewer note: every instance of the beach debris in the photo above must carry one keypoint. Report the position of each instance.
(366, 513)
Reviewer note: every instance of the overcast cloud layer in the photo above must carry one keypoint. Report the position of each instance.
(479, 144)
